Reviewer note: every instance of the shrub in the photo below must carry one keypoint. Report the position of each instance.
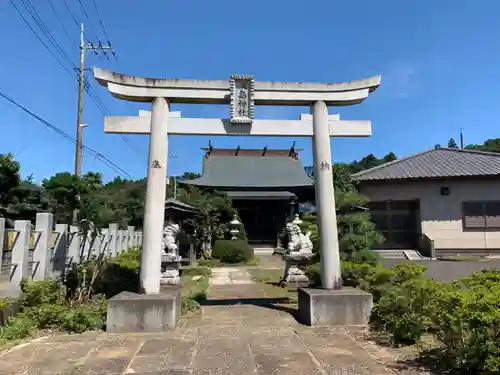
(232, 251)
(468, 325)
(17, 327)
(45, 316)
(313, 272)
(35, 293)
(404, 310)
(81, 318)
(189, 306)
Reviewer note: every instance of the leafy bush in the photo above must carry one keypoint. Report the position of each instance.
(232, 251)
(17, 327)
(81, 318)
(189, 306)
(35, 293)
(120, 274)
(45, 316)
(405, 309)
(467, 323)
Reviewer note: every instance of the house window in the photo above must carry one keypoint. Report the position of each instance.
(481, 215)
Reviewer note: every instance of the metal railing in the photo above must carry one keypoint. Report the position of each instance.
(426, 246)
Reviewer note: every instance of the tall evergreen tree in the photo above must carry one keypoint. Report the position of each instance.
(452, 143)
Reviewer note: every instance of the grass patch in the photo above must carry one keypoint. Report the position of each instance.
(194, 292)
(196, 271)
(255, 261)
(269, 281)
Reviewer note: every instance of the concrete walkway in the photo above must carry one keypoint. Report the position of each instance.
(240, 332)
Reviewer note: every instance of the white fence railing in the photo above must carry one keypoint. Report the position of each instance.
(48, 250)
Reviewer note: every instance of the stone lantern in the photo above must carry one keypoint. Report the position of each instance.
(235, 223)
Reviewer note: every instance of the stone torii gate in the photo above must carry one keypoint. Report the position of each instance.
(241, 93)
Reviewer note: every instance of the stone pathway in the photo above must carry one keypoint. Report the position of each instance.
(240, 332)
(230, 276)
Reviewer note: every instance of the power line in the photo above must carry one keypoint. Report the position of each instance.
(87, 17)
(104, 110)
(62, 24)
(96, 154)
(40, 39)
(72, 14)
(100, 20)
(43, 27)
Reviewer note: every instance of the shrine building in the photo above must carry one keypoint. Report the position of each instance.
(265, 186)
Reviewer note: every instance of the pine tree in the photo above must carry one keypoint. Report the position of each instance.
(452, 143)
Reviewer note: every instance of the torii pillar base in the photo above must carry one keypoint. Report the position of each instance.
(334, 307)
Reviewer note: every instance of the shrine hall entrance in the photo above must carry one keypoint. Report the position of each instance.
(262, 219)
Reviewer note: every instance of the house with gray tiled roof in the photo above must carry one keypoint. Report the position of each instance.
(447, 200)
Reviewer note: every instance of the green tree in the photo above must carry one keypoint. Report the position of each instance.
(490, 145)
(9, 177)
(437, 146)
(25, 200)
(452, 143)
(63, 190)
(391, 156)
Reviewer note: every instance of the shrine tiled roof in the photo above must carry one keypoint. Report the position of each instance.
(251, 172)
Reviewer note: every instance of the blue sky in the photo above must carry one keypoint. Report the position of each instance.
(439, 60)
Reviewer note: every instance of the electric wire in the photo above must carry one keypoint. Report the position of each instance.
(40, 39)
(47, 124)
(45, 31)
(88, 88)
(100, 21)
(87, 17)
(61, 23)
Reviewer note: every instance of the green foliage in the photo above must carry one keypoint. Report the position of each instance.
(81, 318)
(17, 327)
(404, 309)
(189, 306)
(4, 303)
(36, 293)
(452, 143)
(196, 271)
(232, 251)
(467, 323)
(490, 145)
(9, 176)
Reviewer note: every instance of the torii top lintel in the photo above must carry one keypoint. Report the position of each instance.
(139, 89)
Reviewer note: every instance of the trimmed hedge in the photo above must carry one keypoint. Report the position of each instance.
(232, 251)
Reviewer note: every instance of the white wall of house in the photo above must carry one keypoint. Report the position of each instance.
(441, 216)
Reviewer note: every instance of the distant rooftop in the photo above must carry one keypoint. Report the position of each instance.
(436, 164)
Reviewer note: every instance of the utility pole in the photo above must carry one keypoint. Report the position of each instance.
(172, 157)
(461, 139)
(81, 89)
(79, 119)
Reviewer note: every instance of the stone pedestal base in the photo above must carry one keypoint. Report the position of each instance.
(293, 274)
(131, 312)
(170, 265)
(346, 306)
